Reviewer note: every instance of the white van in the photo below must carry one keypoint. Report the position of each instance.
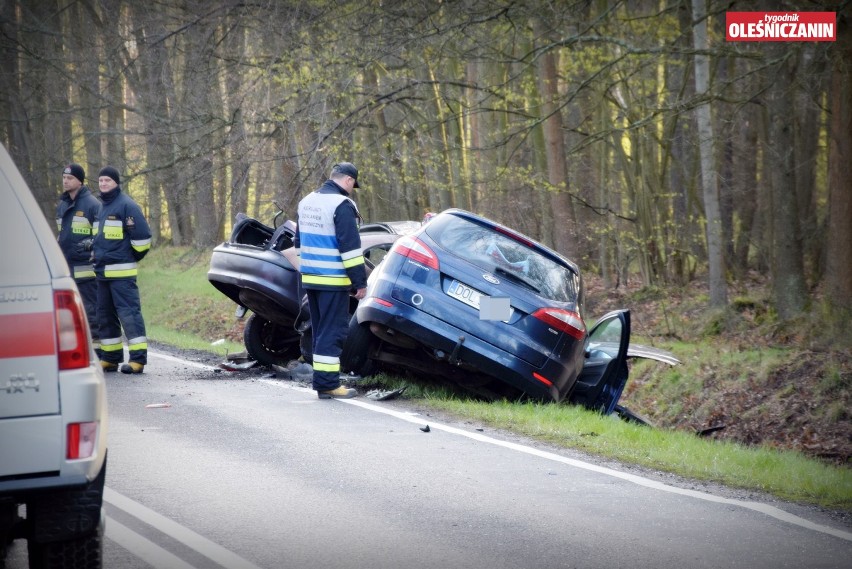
(53, 410)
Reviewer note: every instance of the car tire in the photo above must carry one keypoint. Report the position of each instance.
(270, 343)
(356, 351)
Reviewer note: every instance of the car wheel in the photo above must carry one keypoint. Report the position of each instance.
(270, 343)
(356, 351)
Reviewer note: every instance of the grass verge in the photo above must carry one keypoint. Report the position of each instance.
(182, 309)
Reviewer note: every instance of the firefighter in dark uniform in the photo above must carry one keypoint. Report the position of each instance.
(75, 218)
(122, 238)
(332, 268)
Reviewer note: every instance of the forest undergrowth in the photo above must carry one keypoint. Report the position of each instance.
(744, 376)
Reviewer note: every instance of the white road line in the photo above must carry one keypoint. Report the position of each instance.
(143, 548)
(180, 360)
(647, 482)
(199, 543)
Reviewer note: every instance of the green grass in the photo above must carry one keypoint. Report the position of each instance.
(181, 308)
(786, 474)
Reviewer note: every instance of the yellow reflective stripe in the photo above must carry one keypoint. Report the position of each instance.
(84, 271)
(321, 280)
(326, 367)
(111, 347)
(354, 262)
(81, 226)
(138, 346)
(121, 270)
(121, 274)
(140, 244)
(113, 229)
(352, 254)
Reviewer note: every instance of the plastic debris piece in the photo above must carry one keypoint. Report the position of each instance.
(218, 342)
(384, 395)
(158, 406)
(425, 429)
(231, 366)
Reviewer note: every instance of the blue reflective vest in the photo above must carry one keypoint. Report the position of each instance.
(328, 242)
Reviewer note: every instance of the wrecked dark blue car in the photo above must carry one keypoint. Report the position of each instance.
(467, 301)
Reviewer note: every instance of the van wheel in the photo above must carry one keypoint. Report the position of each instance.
(81, 553)
(270, 343)
(360, 342)
(53, 543)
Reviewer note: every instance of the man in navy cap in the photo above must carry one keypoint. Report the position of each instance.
(331, 264)
(75, 219)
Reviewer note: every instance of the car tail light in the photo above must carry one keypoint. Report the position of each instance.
(564, 320)
(416, 250)
(71, 330)
(81, 440)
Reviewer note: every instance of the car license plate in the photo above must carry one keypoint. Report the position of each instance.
(464, 293)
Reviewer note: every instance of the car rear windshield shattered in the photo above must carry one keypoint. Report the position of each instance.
(505, 257)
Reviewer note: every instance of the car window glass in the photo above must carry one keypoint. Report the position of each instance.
(497, 253)
(604, 340)
(375, 254)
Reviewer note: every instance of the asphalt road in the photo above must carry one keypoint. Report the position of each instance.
(245, 471)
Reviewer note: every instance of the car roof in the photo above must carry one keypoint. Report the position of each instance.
(25, 233)
(403, 227)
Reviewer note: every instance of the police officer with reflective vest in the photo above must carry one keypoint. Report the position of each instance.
(122, 238)
(332, 269)
(75, 218)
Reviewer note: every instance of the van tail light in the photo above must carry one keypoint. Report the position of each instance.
(81, 440)
(416, 250)
(72, 331)
(563, 320)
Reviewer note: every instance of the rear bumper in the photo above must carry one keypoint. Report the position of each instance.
(439, 335)
(262, 280)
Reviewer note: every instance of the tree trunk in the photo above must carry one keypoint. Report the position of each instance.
(788, 281)
(710, 187)
(838, 274)
(565, 222)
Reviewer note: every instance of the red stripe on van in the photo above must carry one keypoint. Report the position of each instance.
(27, 335)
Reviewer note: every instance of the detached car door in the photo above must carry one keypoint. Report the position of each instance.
(604, 373)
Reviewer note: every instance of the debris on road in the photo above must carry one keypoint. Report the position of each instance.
(384, 395)
(231, 366)
(158, 406)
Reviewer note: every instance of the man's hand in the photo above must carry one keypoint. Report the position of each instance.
(360, 293)
(86, 244)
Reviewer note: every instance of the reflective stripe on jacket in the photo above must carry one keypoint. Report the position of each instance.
(122, 236)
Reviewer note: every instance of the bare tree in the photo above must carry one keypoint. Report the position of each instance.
(838, 275)
(713, 221)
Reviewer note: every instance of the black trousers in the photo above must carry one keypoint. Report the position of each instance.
(330, 324)
(119, 308)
